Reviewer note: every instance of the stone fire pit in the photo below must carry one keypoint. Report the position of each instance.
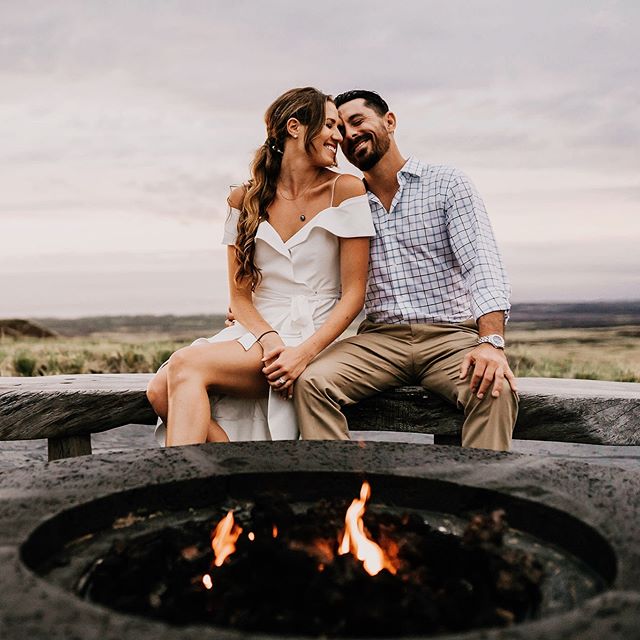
(587, 510)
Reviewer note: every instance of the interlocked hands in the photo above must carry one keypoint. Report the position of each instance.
(282, 364)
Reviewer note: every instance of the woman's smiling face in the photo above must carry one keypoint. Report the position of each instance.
(325, 145)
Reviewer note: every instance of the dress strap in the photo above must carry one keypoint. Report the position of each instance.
(333, 189)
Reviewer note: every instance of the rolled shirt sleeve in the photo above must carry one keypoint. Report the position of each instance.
(474, 246)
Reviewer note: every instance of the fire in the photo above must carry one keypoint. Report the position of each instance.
(224, 538)
(356, 541)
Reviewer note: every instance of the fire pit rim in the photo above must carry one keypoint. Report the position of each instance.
(28, 499)
(164, 497)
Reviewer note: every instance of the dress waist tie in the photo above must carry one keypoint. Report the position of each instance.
(302, 316)
(281, 414)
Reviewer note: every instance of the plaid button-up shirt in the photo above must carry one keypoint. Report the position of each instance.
(434, 257)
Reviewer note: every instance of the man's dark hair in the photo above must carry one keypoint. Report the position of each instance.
(371, 99)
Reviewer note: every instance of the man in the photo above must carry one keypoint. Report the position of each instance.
(437, 296)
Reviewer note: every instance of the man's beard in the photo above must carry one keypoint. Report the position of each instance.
(379, 146)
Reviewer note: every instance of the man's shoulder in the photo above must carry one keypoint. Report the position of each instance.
(440, 175)
(445, 171)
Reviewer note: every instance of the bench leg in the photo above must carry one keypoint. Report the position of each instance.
(446, 438)
(69, 446)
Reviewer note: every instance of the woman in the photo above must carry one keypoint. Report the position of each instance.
(298, 250)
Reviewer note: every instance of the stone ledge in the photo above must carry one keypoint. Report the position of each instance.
(604, 499)
(552, 409)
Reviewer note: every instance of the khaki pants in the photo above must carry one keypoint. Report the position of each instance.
(382, 356)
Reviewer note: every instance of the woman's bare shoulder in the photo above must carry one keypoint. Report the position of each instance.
(236, 197)
(348, 186)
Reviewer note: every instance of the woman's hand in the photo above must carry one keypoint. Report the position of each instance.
(283, 370)
(272, 345)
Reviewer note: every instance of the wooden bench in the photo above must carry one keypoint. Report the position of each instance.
(66, 410)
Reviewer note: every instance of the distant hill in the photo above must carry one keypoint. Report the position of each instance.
(18, 328)
(578, 315)
(198, 325)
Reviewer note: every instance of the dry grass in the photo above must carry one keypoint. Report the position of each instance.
(594, 354)
(98, 354)
(598, 354)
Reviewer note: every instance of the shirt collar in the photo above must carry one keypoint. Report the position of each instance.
(412, 167)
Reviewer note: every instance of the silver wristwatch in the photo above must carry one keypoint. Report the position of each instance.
(493, 339)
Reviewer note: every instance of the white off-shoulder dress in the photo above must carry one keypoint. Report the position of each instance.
(299, 287)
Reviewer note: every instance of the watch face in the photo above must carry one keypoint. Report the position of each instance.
(497, 341)
(494, 340)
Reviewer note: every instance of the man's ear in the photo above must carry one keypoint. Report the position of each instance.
(293, 127)
(390, 121)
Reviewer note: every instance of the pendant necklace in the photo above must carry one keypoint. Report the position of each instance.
(301, 216)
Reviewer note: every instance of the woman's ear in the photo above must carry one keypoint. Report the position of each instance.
(293, 127)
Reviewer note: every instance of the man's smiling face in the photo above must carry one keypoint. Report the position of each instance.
(366, 138)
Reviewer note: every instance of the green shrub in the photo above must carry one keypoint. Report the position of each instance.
(134, 361)
(114, 362)
(586, 375)
(625, 376)
(24, 364)
(74, 364)
(160, 357)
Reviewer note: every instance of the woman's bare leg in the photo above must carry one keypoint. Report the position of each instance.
(224, 367)
(158, 394)
(215, 433)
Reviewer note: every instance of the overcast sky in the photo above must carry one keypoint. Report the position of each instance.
(122, 125)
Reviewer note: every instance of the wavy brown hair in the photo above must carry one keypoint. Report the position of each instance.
(308, 106)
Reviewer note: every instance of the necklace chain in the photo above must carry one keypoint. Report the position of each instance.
(279, 190)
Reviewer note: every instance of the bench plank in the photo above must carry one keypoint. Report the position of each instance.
(552, 409)
(56, 406)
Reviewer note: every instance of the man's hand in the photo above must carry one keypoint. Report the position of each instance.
(230, 319)
(489, 366)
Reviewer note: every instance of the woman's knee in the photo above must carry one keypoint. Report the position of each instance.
(183, 365)
(157, 391)
(178, 366)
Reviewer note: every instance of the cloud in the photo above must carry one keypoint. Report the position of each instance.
(149, 110)
(562, 272)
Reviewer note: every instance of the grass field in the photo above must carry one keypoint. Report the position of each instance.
(103, 354)
(602, 353)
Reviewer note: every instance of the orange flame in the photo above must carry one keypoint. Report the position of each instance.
(356, 541)
(207, 581)
(224, 538)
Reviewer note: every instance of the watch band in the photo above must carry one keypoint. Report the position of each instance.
(494, 339)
